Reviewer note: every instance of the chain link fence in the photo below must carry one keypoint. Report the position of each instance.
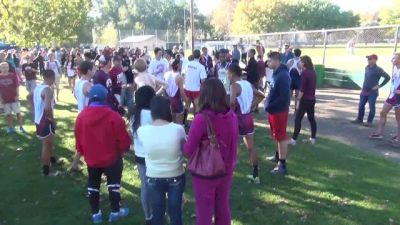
(335, 48)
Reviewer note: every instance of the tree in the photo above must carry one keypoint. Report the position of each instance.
(222, 16)
(254, 16)
(391, 15)
(46, 22)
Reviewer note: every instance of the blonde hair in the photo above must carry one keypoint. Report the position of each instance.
(140, 65)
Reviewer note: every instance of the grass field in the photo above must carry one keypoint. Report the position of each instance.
(329, 183)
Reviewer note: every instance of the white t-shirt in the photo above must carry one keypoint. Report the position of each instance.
(82, 100)
(163, 149)
(54, 65)
(194, 73)
(158, 68)
(145, 119)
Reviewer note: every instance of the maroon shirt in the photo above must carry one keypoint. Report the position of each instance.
(116, 85)
(8, 88)
(308, 80)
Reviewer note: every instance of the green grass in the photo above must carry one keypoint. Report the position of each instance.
(329, 183)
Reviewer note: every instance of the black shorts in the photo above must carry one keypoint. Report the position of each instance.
(45, 128)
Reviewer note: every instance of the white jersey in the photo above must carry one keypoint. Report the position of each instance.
(172, 87)
(158, 68)
(38, 102)
(245, 99)
(70, 71)
(83, 100)
(295, 65)
(395, 82)
(194, 73)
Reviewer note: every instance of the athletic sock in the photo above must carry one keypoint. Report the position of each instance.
(46, 170)
(53, 160)
(255, 171)
(283, 163)
(277, 155)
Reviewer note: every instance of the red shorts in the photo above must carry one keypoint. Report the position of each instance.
(45, 128)
(278, 123)
(192, 95)
(176, 103)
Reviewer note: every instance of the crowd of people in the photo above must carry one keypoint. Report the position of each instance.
(130, 102)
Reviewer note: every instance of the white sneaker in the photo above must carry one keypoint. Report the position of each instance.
(253, 180)
(292, 142)
(311, 141)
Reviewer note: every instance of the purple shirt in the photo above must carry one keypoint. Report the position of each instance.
(308, 80)
(226, 128)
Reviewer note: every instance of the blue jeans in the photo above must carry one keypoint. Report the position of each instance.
(144, 191)
(159, 189)
(371, 99)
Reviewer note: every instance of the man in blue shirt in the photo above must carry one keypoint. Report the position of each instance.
(235, 54)
(287, 55)
(369, 92)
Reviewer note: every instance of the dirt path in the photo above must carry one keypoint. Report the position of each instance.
(336, 108)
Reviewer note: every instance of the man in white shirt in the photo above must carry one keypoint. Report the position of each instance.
(159, 65)
(194, 75)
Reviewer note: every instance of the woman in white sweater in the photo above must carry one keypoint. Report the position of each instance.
(141, 116)
(163, 141)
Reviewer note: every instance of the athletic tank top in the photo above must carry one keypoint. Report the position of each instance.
(172, 87)
(79, 95)
(295, 65)
(38, 102)
(245, 99)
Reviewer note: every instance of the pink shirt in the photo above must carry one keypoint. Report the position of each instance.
(226, 128)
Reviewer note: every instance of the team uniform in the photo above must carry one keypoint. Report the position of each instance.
(173, 92)
(44, 126)
(82, 100)
(194, 73)
(393, 98)
(295, 73)
(243, 108)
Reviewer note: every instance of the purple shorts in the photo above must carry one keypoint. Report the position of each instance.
(246, 124)
(393, 101)
(176, 103)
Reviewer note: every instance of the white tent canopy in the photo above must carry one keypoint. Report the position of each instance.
(141, 41)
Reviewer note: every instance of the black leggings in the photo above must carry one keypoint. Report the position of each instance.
(113, 174)
(306, 106)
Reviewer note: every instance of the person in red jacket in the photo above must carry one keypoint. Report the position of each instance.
(102, 138)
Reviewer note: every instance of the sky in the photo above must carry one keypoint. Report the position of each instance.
(206, 6)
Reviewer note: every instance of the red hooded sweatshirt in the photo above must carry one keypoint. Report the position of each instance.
(101, 136)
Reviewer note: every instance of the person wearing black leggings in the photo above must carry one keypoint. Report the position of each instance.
(306, 103)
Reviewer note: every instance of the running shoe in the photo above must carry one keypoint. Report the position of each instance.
(254, 180)
(376, 136)
(311, 141)
(367, 124)
(123, 212)
(10, 130)
(356, 121)
(96, 218)
(22, 130)
(279, 170)
(272, 158)
(292, 142)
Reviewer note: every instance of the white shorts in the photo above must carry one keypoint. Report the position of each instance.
(10, 108)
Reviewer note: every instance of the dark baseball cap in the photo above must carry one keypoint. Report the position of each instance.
(373, 56)
(98, 93)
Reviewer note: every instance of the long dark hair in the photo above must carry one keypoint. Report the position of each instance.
(213, 96)
(143, 98)
(307, 62)
(161, 108)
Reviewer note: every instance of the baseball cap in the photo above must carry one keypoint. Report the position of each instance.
(373, 56)
(98, 93)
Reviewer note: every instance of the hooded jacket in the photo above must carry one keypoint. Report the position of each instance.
(226, 128)
(279, 96)
(101, 136)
